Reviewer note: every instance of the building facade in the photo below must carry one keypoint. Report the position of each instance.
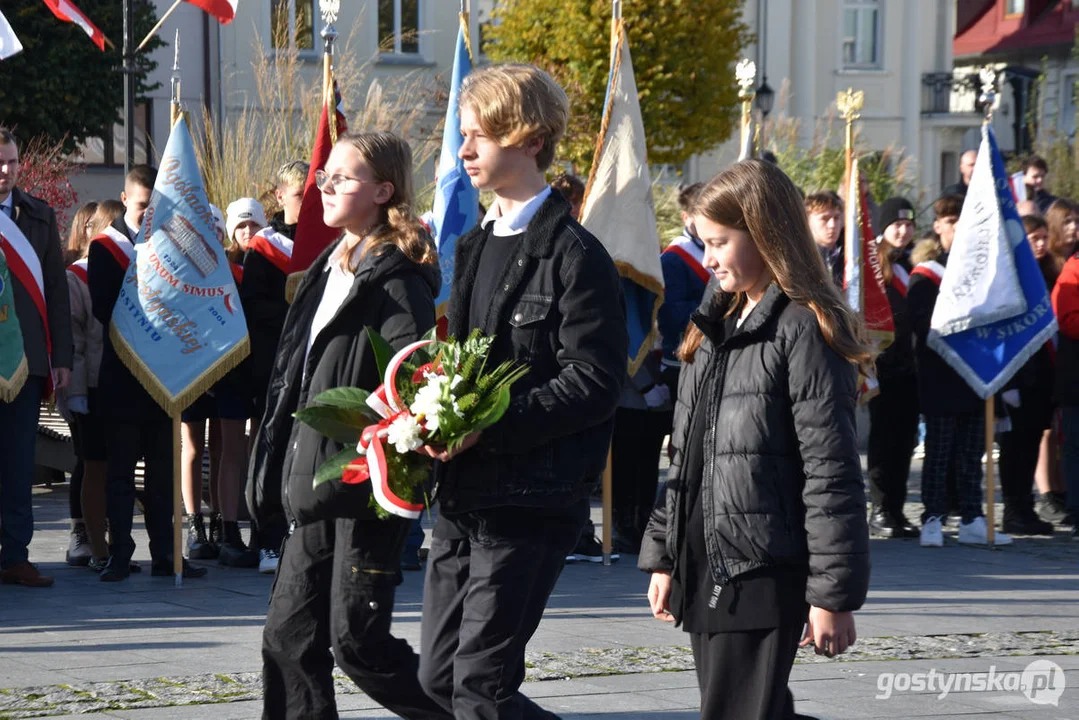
(396, 37)
(1017, 37)
(898, 52)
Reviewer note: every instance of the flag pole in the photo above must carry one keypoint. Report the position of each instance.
(155, 28)
(329, 12)
(746, 75)
(177, 446)
(987, 98)
(608, 492)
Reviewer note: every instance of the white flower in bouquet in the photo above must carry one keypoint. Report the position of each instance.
(432, 398)
(405, 434)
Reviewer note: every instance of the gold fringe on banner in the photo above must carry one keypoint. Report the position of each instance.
(467, 34)
(605, 124)
(648, 283)
(292, 285)
(10, 387)
(174, 405)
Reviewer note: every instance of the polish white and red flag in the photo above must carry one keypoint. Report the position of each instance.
(66, 11)
(223, 10)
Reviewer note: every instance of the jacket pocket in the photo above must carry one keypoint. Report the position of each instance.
(531, 310)
(528, 322)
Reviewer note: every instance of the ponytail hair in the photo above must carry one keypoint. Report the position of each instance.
(390, 160)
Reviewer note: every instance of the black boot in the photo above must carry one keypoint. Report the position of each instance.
(233, 552)
(198, 546)
(1024, 521)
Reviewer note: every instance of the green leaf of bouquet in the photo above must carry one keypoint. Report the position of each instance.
(492, 412)
(348, 398)
(431, 334)
(384, 352)
(338, 424)
(334, 468)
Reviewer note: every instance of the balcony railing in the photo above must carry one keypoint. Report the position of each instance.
(944, 93)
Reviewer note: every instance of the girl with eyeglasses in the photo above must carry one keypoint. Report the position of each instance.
(339, 568)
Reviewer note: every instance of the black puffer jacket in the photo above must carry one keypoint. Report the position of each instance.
(265, 307)
(559, 310)
(782, 480)
(391, 294)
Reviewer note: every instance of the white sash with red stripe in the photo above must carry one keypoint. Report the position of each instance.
(79, 270)
(900, 279)
(25, 267)
(121, 247)
(691, 254)
(273, 246)
(930, 269)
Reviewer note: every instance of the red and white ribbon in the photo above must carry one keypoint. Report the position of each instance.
(385, 401)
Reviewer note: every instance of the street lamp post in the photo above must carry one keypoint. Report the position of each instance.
(765, 99)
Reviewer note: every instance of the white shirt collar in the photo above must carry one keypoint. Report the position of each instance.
(516, 223)
(333, 262)
(9, 202)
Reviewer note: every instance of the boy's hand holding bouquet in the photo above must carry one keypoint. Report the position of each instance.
(437, 396)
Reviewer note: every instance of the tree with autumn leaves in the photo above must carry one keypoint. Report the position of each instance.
(683, 51)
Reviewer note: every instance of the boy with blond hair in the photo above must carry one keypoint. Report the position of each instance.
(513, 499)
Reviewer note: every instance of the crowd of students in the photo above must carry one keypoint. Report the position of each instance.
(111, 437)
(1034, 432)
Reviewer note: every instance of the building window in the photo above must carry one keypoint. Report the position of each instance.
(1017, 7)
(292, 25)
(399, 26)
(861, 34)
(109, 150)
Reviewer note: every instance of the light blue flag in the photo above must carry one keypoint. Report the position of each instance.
(456, 209)
(178, 325)
(994, 311)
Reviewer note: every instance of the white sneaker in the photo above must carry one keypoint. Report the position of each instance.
(268, 561)
(976, 532)
(932, 533)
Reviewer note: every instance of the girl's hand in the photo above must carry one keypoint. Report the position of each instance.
(444, 455)
(659, 594)
(830, 632)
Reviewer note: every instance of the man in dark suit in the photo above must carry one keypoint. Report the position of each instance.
(18, 419)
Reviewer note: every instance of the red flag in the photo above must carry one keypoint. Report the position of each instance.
(66, 11)
(312, 235)
(223, 10)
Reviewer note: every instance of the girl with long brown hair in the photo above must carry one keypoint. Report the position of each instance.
(80, 234)
(340, 565)
(1063, 220)
(762, 527)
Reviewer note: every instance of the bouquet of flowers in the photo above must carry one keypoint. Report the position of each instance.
(434, 392)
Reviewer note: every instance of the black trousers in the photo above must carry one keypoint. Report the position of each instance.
(743, 675)
(635, 449)
(953, 443)
(334, 589)
(1019, 449)
(893, 429)
(125, 442)
(489, 575)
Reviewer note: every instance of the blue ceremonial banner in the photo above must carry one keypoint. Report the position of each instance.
(456, 209)
(993, 311)
(178, 325)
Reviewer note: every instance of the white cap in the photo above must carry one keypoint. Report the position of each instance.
(241, 211)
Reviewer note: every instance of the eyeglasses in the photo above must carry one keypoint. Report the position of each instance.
(336, 184)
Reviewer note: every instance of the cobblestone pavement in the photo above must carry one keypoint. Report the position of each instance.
(144, 649)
